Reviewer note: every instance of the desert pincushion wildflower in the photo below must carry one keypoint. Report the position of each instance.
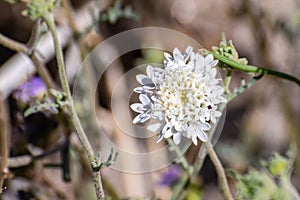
(182, 99)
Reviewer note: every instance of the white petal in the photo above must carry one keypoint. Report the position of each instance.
(159, 70)
(189, 131)
(217, 114)
(148, 88)
(187, 53)
(199, 61)
(168, 133)
(137, 107)
(213, 73)
(139, 90)
(178, 58)
(177, 126)
(166, 126)
(176, 51)
(194, 139)
(205, 126)
(202, 136)
(144, 99)
(168, 57)
(160, 137)
(144, 80)
(177, 138)
(144, 117)
(150, 71)
(213, 119)
(213, 63)
(141, 118)
(154, 127)
(209, 58)
(136, 119)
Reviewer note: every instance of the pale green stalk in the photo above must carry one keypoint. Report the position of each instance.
(95, 162)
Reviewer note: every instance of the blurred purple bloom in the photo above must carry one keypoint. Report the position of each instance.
(34, 88)
(171, 176)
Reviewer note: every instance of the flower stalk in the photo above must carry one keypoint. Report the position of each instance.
(220, 170)
(94, 161)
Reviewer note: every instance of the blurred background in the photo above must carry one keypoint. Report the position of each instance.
(264, 119)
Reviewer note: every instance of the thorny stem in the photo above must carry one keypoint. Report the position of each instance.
(49, 19)
(220, 170)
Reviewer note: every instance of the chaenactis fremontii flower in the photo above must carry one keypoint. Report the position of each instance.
(181, 99)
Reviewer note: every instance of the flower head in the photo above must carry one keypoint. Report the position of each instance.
(182, 99)
(34, 88)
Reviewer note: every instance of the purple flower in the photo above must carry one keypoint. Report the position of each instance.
(171, 176)
(34, 88)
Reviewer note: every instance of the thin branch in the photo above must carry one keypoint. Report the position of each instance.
(4, 132)
(35, 35)
(20, 47)
(24, 160)
(13, 45)
(43, 72)
(220, 170)
(49, 19)
(68, 9)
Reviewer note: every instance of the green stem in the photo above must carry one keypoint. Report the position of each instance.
(250, 68)
(49, 19)
(220, 170)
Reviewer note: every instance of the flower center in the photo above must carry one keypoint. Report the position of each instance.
(183, 95)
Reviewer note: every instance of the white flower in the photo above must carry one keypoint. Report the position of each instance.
(182, 98)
